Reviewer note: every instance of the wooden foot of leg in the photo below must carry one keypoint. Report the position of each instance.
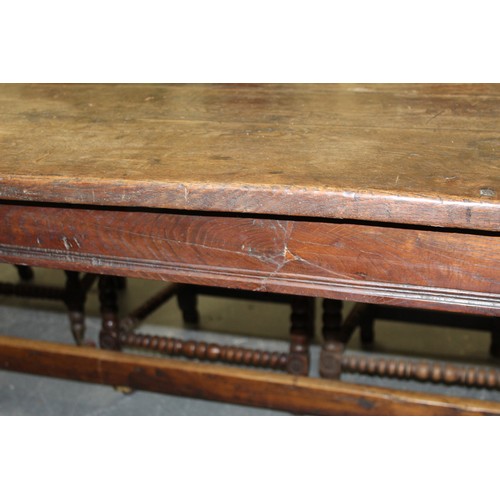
(126, 391)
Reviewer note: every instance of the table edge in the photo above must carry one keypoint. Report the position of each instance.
(282, 201)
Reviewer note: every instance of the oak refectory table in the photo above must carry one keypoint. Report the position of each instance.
(384, 194)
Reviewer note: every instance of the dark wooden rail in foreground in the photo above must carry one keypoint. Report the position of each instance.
(300, 395)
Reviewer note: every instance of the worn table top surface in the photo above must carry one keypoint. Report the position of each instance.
(417, 154)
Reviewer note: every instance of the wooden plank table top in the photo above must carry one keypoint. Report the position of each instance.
(411, 154)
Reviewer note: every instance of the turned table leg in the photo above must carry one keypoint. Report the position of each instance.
(333, 341)
(74, 298)
(187, 300)
(301, 333)
(25, 273)
(120, 283)
(495, 338)
(109, 335)
(367, 326)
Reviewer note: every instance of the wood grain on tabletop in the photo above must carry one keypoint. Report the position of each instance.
(419, 154)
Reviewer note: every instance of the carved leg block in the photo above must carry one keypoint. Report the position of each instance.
(330, 359)
(298, 359)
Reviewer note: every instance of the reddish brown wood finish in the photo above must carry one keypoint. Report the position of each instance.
(302, 317)
(220, 383)
(408, 266)
(426, 371)
(206, 352)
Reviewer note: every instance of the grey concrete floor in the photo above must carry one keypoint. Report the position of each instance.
(255, 324)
